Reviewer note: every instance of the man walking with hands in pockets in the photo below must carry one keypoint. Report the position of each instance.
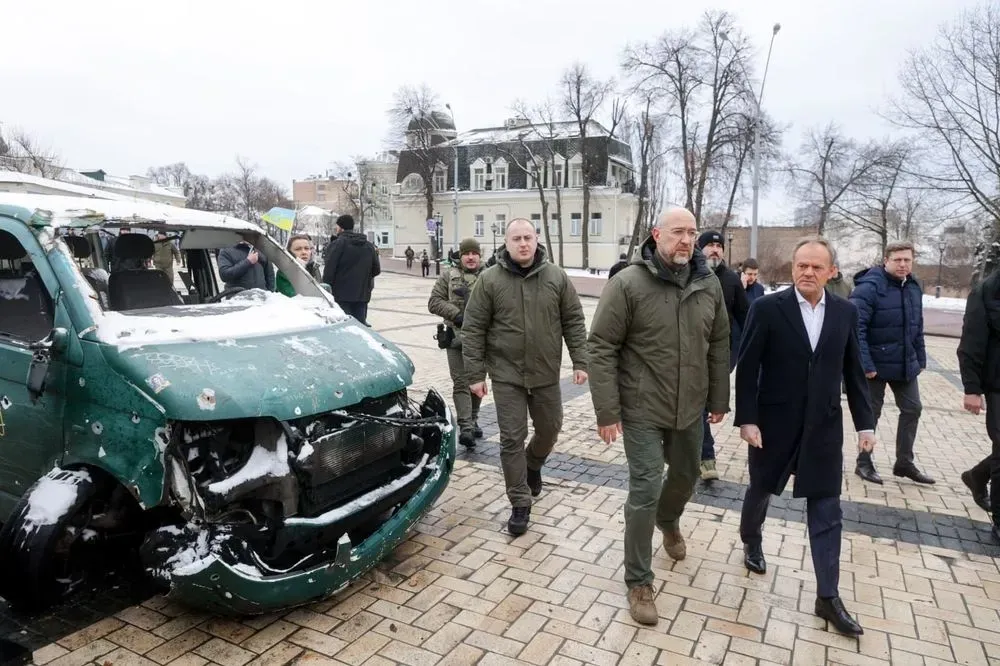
(659, 353)
(516, 318)
(798, 345)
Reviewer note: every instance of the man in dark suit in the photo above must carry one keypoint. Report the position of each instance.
(798, 345)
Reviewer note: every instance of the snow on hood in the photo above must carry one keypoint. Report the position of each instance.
(249, 314)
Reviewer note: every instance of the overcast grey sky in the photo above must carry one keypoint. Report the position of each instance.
(297, 85)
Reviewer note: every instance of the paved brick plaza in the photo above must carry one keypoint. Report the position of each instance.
(918, 563)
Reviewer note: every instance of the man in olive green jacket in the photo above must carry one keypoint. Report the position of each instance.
(659, 354)
(448, 299)
(519, 312)
(840, 284)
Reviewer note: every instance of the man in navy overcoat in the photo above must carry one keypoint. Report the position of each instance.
(798, 345)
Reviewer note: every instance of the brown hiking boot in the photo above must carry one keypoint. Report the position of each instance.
(673, 543)
(641, 606)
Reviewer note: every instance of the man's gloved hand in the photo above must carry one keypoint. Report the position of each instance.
(458, 321)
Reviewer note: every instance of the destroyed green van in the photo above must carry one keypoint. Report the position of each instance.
(258, 451)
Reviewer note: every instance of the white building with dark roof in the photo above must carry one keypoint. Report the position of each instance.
(498, 168)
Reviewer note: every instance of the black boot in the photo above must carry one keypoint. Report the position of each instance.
(535, 482)
(467, 440)
(753, 558)
(832, 610)
(866, 469)
(978, 489)
(518, 523)
(478, 432)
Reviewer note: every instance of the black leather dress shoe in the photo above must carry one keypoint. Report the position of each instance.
(912, 473)
(980, 494)
(832, 610)
(753, 558)
(866, 470)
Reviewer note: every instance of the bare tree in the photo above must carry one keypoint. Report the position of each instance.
(888, 204)
(255, 194)
(357, 179)
(830, 168)
(170, 175)
(643, 129)
(415, 122)
(25, 154)
(951, 100)
(702, 73)
(533, 152)
(583, 98)
(736, 153)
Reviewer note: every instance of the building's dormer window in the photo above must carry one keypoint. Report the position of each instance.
(576, 171)
(440, 179)
(556, 175)
(413, 183)
(500, 174)
(478, 175)
(533, 173)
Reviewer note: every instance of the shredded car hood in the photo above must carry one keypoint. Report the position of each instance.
(284, 375)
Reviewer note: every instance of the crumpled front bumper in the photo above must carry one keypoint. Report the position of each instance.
(234, 590)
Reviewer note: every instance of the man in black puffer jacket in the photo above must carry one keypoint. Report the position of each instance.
(737, 305)
(351, 270)
(979, 362)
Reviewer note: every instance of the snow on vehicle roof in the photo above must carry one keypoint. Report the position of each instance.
(69, 211)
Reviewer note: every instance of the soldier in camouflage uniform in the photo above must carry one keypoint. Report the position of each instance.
(448, 298)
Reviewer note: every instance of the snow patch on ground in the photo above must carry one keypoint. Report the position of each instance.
(944, 303)
(262, 463)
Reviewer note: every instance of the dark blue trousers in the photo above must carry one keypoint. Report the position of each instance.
(824, 518)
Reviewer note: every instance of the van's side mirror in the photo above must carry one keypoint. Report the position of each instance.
(38, 371)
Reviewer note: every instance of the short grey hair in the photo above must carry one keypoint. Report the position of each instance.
(817, 240)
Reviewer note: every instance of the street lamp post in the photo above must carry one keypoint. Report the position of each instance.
(454, 184)
(756, 138)
(729, 244)
(438, 238)
(495, 228)
(942, 246)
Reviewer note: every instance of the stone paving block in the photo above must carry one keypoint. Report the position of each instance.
(278, 655)
(224, 653)
(123, 657)
(134, 639)
(90, 634)
(178, 646)
(363, 649)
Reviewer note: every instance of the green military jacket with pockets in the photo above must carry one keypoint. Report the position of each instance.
(515, 324)
(659, 349)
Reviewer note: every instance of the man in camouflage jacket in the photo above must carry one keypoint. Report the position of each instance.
(448, 298)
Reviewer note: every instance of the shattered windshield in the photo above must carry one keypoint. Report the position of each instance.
(162, 283)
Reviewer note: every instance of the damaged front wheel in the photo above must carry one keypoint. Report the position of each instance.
(39, 543)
